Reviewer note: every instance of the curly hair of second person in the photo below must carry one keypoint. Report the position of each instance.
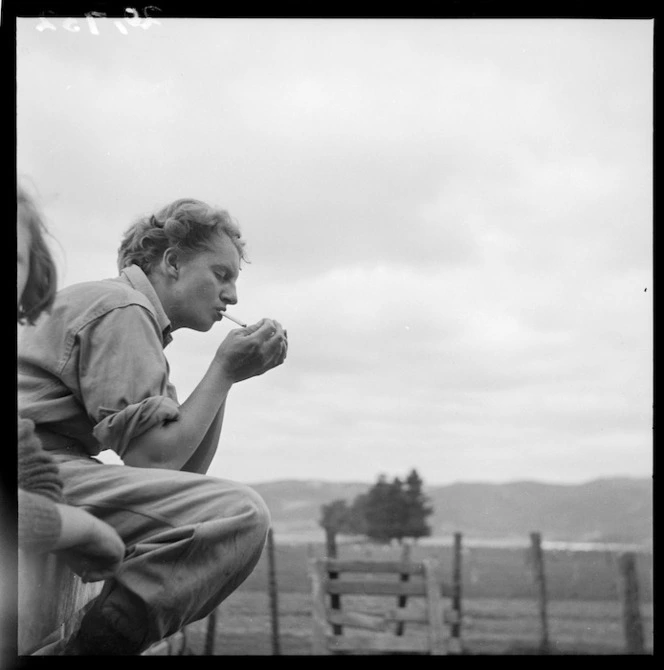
(186, 224)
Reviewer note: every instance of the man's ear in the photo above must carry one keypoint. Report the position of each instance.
(171, 263)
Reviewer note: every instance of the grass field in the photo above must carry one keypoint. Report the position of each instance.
(500, 612)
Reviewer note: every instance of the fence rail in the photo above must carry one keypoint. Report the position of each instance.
(546, 616)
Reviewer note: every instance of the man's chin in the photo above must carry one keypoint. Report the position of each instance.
(203, 327)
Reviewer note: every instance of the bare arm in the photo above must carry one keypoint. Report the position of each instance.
(182, 443)
(171, 445)
(200, 461)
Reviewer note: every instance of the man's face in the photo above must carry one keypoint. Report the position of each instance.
(205, 285)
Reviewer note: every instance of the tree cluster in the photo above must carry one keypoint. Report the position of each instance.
(387, 511)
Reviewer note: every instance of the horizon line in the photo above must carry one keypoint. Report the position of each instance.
(316, 480)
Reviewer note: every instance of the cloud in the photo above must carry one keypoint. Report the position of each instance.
(451, 218)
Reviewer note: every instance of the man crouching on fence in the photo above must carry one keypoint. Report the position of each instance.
(93, 376)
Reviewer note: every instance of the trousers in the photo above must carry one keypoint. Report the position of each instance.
(191, 539)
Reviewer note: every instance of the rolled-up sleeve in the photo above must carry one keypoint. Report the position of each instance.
(123, 376)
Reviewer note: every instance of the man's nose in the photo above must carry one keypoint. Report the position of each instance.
(229, 295)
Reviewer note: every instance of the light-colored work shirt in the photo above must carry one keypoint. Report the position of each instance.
(93, 373)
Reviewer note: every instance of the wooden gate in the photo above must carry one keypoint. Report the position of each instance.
(357, 623)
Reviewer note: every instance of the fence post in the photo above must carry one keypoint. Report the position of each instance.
(330, 542)
(404, 577)
(632, 622)
(540, 582)
(335, 598)
(273, 592)
(455, 645)
(211, 632)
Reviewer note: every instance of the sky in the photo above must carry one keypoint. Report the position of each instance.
(452, 219)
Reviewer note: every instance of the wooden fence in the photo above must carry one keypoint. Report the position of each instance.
(626, 579)
(547, 629)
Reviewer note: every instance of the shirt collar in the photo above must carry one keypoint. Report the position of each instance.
(139, 280)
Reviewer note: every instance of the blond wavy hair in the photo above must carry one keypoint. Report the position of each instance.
(187, 225)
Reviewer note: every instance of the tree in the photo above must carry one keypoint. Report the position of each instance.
(334, 514)
(379, 508)
(417, 507)
(396, 510)
(338, 517)
(387, 511)
(356, 521)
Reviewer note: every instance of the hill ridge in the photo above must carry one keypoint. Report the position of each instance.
(605, 509)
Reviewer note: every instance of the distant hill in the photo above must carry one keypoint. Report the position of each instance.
(603, 510)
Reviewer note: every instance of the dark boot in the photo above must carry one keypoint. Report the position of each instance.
(115, 627)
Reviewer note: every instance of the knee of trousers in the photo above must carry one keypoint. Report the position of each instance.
(259, 513)
(249, 512)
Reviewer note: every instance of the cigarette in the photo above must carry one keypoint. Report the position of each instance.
(234, 320)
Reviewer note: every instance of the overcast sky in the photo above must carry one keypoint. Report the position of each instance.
(452, 219)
